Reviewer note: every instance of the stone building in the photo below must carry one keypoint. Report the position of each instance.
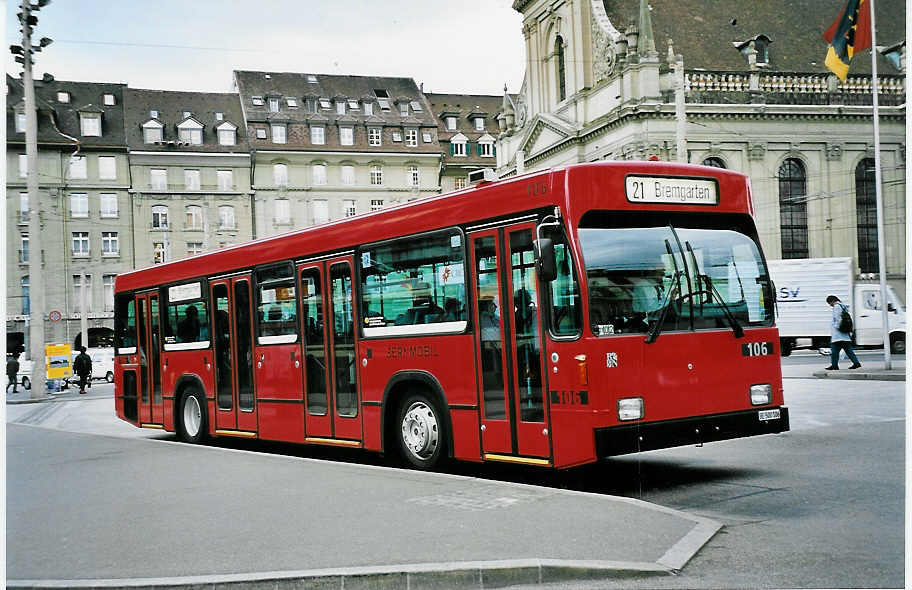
(190, 170)
(325, 146)
(467, 130)
(603, 78)
(85, 214)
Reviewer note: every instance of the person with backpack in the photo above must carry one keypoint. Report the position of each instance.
(12, 371)
(841, 330)
(82, 366)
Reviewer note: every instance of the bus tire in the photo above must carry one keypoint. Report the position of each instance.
(420, 431)
(192, 417)
(109, 377)
(898, 343)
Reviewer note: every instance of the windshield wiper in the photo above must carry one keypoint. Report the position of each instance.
(732, 321)
(660, 321)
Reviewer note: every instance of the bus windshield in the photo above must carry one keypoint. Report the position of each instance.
(688, 278)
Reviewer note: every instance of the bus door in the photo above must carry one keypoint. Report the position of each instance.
(148, 353)
(232, 331)
(509, 352)
(327, 312)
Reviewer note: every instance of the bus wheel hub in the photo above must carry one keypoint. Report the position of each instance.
(419, 430)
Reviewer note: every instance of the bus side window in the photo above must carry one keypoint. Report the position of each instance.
(277, 310)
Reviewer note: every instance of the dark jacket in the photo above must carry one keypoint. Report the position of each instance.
(12, 367)
(83, 364)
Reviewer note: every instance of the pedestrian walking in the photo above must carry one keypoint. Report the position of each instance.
(840, 334)
(82, 366)
(12, 371)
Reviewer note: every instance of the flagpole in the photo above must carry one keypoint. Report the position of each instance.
(881, 248)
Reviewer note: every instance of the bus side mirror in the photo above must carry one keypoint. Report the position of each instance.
(545, 264)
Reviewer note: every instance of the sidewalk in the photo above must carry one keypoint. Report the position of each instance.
(24, 396)
(152, 513)
(868, 370)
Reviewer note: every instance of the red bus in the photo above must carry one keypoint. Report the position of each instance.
(550, 319)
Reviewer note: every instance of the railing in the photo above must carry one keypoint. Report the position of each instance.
(795, 88)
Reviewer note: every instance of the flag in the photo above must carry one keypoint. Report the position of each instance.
(849, 33)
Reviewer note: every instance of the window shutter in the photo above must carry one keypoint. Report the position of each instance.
(468, 151)
(479, 148)
(493, 149)
(452, 149)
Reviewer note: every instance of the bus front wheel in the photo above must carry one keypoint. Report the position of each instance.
(898, 343)
(192, 417)
(421, 435)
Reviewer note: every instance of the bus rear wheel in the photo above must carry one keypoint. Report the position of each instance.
(192, 417)
(898, 343)
(421, 433)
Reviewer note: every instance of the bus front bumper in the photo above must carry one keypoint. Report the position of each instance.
(649, 436)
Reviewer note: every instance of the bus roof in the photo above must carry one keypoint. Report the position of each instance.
(598, 185)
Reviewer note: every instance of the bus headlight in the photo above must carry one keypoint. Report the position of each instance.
(761, 394)
(630, 408)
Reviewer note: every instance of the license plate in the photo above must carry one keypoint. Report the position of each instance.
(765, 415)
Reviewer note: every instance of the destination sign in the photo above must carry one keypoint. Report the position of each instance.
(682, 191)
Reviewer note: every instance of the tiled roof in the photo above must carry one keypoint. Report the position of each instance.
(86, 97)
(282, 85)
(171, 107)
(704, 32)
(462, 106)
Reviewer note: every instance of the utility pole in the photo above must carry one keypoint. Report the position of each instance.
(36, 282)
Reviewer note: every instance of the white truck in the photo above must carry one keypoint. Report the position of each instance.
(803, 316)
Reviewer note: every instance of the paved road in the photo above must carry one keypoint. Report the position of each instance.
(819, 506)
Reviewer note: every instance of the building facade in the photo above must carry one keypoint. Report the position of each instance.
(325, 147)
(467, 130)
(190, 167)
(84, 207)
(743, 89)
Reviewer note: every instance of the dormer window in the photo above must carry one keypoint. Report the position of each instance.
(227, 133)
(190, 131)
(458, 144)
(109, 100)
(257, 101)
(479, 123)
(325, 104)
(273, 105)
(368, 108)
(90, 124)
(186, 114)
(450, 123)
(353, 105)
(63, 97)
(403, 109)
(340, 107)
(384, 104)
(153, 114)
(416, 106)
(292, 102)
(761, 46)
(219, 116)
(152, 131)
(311, 79)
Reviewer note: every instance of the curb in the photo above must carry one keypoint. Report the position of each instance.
(473, 574)
(65, 397)
(860, 376)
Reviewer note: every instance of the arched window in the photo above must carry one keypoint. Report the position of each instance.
(226, 217)
(194, 217)
(714, 162)
(866, 216)
(160, 216)
(793, 209)
(561, 79)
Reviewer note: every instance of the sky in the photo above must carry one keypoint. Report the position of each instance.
(467, 46)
